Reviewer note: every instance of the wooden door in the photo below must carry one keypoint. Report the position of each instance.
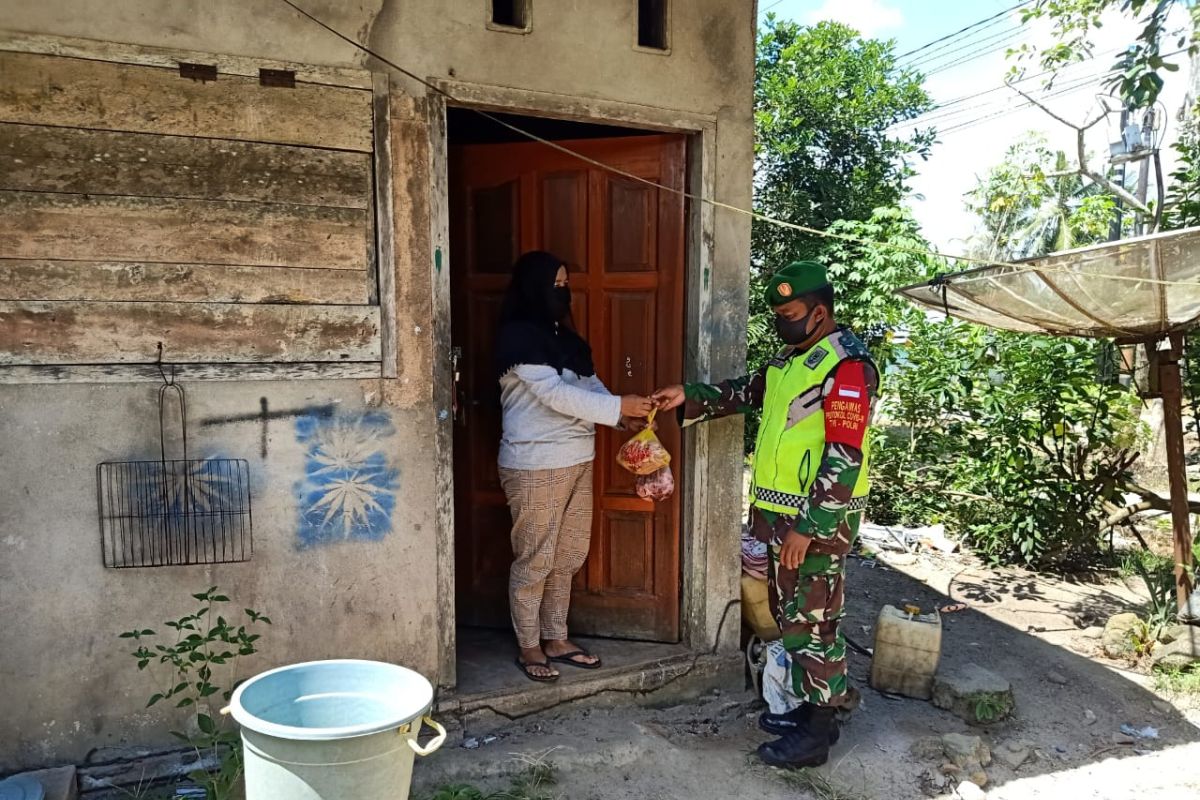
(623, 242)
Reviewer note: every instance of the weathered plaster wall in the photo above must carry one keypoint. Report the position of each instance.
(352, 587)
(64, 684)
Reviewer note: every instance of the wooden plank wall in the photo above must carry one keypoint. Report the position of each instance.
(231, 221)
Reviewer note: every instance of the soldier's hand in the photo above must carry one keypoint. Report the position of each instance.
(668, 398)
(795, 548)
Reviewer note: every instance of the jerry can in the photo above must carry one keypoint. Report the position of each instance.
(907, 650)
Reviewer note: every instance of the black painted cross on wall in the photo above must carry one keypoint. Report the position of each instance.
(265, 415)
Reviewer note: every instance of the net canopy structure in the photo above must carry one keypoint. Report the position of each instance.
(1144, 290)
(1135, 290)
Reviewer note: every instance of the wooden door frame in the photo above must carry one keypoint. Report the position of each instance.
(701, 613)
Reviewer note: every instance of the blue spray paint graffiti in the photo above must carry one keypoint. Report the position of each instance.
(349, 486)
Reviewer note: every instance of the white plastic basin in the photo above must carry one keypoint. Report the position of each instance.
(327, 730)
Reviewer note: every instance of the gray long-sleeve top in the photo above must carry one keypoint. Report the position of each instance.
(550, 419)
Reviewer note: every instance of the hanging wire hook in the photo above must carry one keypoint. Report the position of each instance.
(162, 372)
(942, 281)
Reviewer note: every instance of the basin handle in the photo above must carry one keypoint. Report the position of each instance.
(434, 744)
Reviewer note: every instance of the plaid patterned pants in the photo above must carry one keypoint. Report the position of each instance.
(552, 529)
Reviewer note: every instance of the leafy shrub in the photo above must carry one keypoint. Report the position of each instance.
(187, 671)
(1007, 438)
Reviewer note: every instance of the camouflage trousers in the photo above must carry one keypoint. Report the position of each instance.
(808, 607)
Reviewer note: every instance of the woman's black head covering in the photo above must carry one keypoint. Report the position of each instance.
(535, 320)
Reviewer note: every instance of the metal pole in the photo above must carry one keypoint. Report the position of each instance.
(1143, 186)
(1172, 397)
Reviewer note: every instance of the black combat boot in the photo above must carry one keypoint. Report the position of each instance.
(794, 721)
(808, 747)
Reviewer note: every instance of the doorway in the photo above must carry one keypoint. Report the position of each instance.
(624, 243)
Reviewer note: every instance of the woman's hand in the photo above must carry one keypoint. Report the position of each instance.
(668, 398)
(634, 405)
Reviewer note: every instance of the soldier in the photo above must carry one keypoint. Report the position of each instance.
(808, 493)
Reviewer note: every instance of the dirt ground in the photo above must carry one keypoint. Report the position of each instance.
(1037, 631)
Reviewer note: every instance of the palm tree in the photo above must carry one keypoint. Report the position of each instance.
(1028, 210)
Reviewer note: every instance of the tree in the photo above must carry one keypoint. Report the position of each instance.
(1137, 74)
(1032, 203)
(826, 103)
(1183, 195)
(827, 158)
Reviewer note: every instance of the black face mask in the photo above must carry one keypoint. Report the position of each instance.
(560, 302)
(793, 332)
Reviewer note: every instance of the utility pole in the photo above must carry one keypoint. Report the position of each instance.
(1119, 149)
(1145, 145)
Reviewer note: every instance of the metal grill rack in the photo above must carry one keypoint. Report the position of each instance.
(174, 512)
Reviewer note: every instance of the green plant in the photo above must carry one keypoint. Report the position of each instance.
(990, 707)
(457, 791)
(532, 783)
(830, 155)
(1158, 575)
(814, 783)
(1178, 681)
(1008, 439)
(1030, 203)
(205, 644)
(1137, 74)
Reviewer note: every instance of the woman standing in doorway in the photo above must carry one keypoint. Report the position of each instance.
(552, 403)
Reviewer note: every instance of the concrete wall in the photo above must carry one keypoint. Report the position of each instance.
(68, 683)
(65, 683)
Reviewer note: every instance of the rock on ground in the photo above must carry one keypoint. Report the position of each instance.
(963, 749)
(1182, 653)
(973, 693)
(1173, 633)
(1012, 754)
(1117, 640)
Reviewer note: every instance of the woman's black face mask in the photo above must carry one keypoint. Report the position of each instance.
(560, 302)
(794, 332)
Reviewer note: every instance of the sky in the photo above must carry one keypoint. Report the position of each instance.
(976, 62)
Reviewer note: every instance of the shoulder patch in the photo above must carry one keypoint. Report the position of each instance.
(781, 359)
(815, 357)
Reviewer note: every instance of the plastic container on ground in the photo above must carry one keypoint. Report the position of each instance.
(908, 648)
(331, 730)
(756, 609)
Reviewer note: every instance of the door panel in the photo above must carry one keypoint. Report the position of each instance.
(564, 217)
(623, 242)
(493, 218)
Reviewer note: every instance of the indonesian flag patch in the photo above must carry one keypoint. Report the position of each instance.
(847, 406)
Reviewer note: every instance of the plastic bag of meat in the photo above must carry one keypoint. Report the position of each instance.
(644, 454)
(657, 486)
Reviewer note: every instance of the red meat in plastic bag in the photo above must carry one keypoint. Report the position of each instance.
(657, 486)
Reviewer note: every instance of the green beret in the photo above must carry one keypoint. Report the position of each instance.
(796, 279)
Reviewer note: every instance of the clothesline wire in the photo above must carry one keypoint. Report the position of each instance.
(754, 215)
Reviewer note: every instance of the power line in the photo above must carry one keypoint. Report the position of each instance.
(973, 43)
(1075, 83)
(1059, 92)
(947, 104)
(950, 113)
(1002, 46)
(961, 31)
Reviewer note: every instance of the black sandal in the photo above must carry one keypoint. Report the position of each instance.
(525, 665)
(569, 659)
